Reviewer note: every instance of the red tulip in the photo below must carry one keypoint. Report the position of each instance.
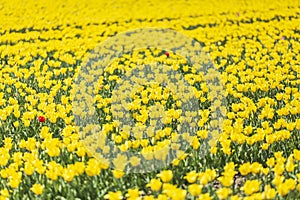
(41, 119)
(167, 54)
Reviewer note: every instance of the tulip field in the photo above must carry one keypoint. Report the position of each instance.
(149, 99)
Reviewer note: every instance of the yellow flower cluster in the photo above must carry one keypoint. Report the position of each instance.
(253, 45)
